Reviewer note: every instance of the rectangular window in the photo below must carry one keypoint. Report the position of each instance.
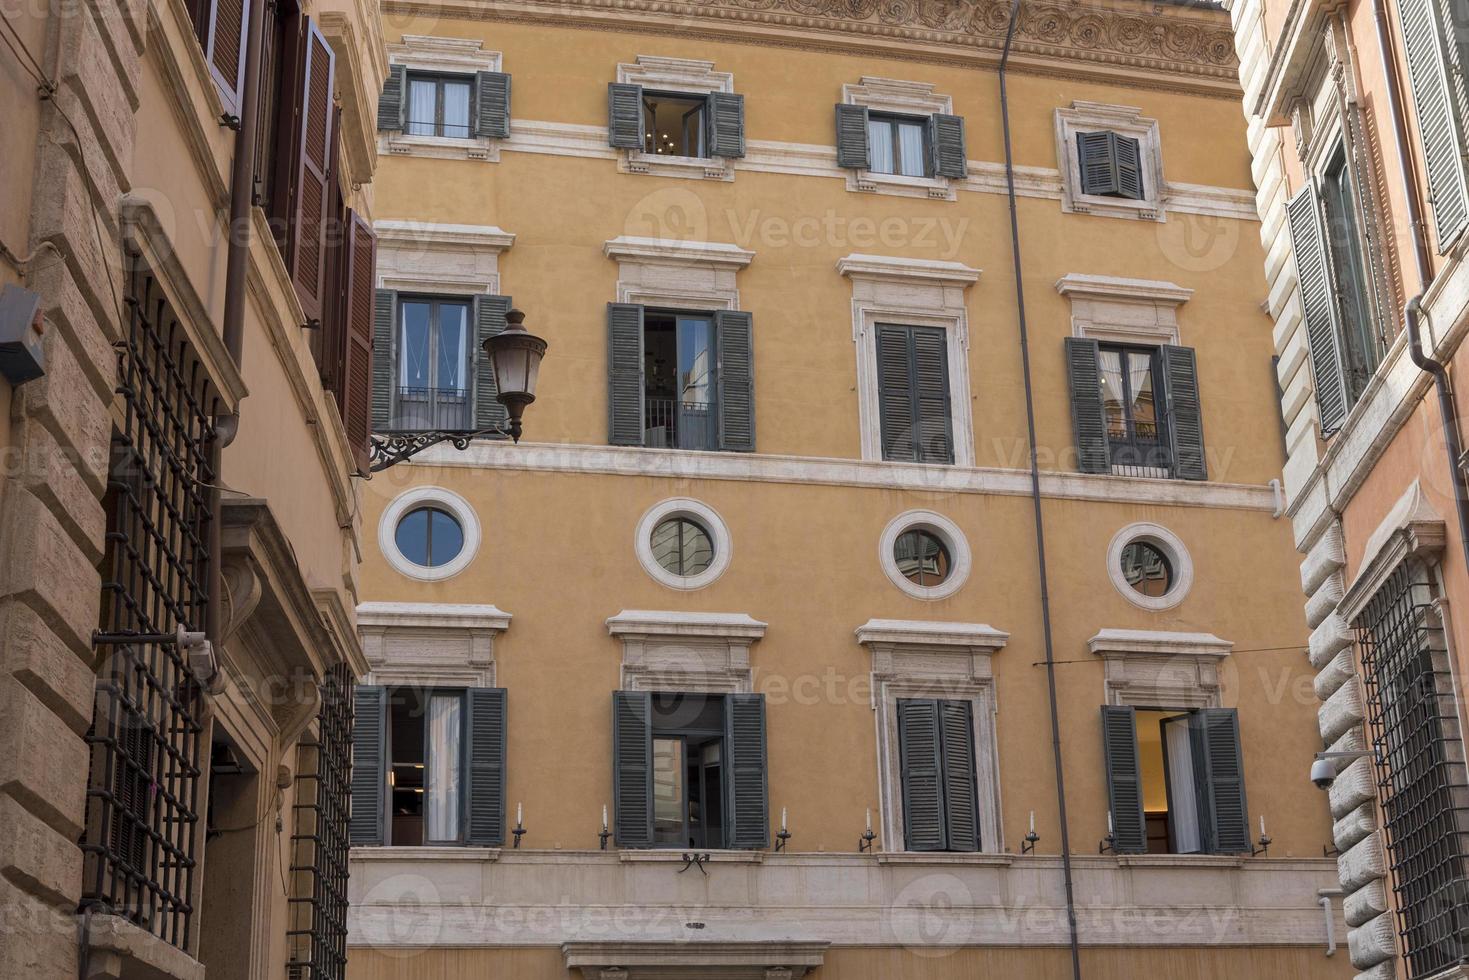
(425, 738)
(438, 105)
(897, 145)
(679, 374)
(913, 394)
(1360, 352)
(1110, 165)
(434, 356)
(688, 743)
(1132, 407)
(675, 124)
(936, 755)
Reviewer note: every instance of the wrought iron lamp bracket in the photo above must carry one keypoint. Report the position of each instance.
(398, 447)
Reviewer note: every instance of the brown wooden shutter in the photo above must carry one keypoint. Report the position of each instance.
(312, 137)
(356, 370)
(224, 48)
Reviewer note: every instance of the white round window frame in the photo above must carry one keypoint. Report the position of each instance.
(446, 500)
(946, 531)
(1173, 549)
(701, 514)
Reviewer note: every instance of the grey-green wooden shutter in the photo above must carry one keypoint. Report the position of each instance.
(1222, 780)
(1318, 307)
(1095, 153)
(485, 736)
(1124, 779)
(492, 104)
(489, 316)
(747, 811)
(961, 803)
(934, 438)
(624, 374)
(625, 116)
(1088, 419)
(895, 408)
(632, 768)
(390, 103)
(1436, 65)
(384, 310)
(1183, 419)
(919, 758)
(852, 137)
(369, 764)
(726, 125)
(913, 394)
(1128, 155)
(947, 144)
(734, 333)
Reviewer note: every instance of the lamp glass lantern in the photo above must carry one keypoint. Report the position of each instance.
(515, 357)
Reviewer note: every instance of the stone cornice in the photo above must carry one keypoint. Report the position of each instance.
(1178, 47)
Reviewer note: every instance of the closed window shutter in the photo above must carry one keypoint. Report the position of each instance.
(224, 49)
(1098, 163)
(1435, 65)
(896, 411)
(735, 375)
(930, 358)
(1220, 766)
(961, 805)
(919, 757)
(489, 315)
(947, 144)
(1129, 167)
(357, 373)
(624, 374)
(492, 105)
(852, 137)
(369, 764)
(390, 103)
(1183, 420)
(1088, 420)
(384, 315)
(632, 768)
(1318, 307)
(744, 733)
(1124, 779)
(313, 136)
(726, 125)
(625, 116)
(485, 736)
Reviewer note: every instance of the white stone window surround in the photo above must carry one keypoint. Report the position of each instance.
(675, 274)
(1160, 669)
(690, 652)
(448, 56)
(443, 259)
(683, 76)
(917, 293)
(430, 644)
(1172, 547)
(1091, 117)
(428, 496)
(900, 98)
(703, 515)
(925, 659)
(960, 558)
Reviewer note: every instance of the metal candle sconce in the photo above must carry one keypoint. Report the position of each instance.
(605, 832)
(1032, 838)
(519, 830)
(865, 843)
(784, 835)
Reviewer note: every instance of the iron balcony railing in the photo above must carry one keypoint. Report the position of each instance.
(450, 409)
(674, 424)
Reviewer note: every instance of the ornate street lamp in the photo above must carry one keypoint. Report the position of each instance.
(515, 360)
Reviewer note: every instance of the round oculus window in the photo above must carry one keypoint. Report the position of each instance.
(922, 558)
(682, 546)
(1146, 569)
(429, 537)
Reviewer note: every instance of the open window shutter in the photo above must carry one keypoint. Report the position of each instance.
(1434, 65)
(1184, 422)
(895, 402)
(726, 125)
(748, 812)
(384, 312)
(492, 104)
(919, 758)
(1124, 779)
(390, 103)
(485, 736)
(357, 373)
(1220, 768)
(369, 764)
(624, 374)
(946, 143)
(1318, 307)
(961, 805)
(489, 315)
(1088, 420)
(632, 767)
(1095, 153)
(625, 116)
(1129, 158)
(852, 137)
(224, 49)
(734, 336)
(309, 198)
(930, 359)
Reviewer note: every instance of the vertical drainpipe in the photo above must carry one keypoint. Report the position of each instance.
(1035, 496)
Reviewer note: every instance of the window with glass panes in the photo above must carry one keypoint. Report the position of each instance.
(433, 364)
(1132, 406)
(1349, 268)
(438, 105)
(897, 145)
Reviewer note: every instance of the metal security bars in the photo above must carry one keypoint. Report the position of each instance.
(142, 792)
(318, 918)
(1420, 766)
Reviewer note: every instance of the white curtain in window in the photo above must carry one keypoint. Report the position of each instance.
(1183, 802)
(421, 98)
(442, 792)
(880, 147)
(456, 110)
(910, 145)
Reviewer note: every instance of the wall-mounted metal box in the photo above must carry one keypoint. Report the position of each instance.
(21, 330)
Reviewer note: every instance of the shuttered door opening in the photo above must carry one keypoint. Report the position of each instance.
(357, 369)
(1217, 747)
(632, 768)
(747, 807)
(1433, 55)
(384, 314)
(489, 322)
(1088, 418)
(961, 803)
(913, 394)
(486, 740)
(492, 105)
(1124, 779)
(726, 125)
(735, 375)
(624, 374)
(852, 137)
(919, 757)
(369, 765)
(1183, 418)
(1318, 307)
